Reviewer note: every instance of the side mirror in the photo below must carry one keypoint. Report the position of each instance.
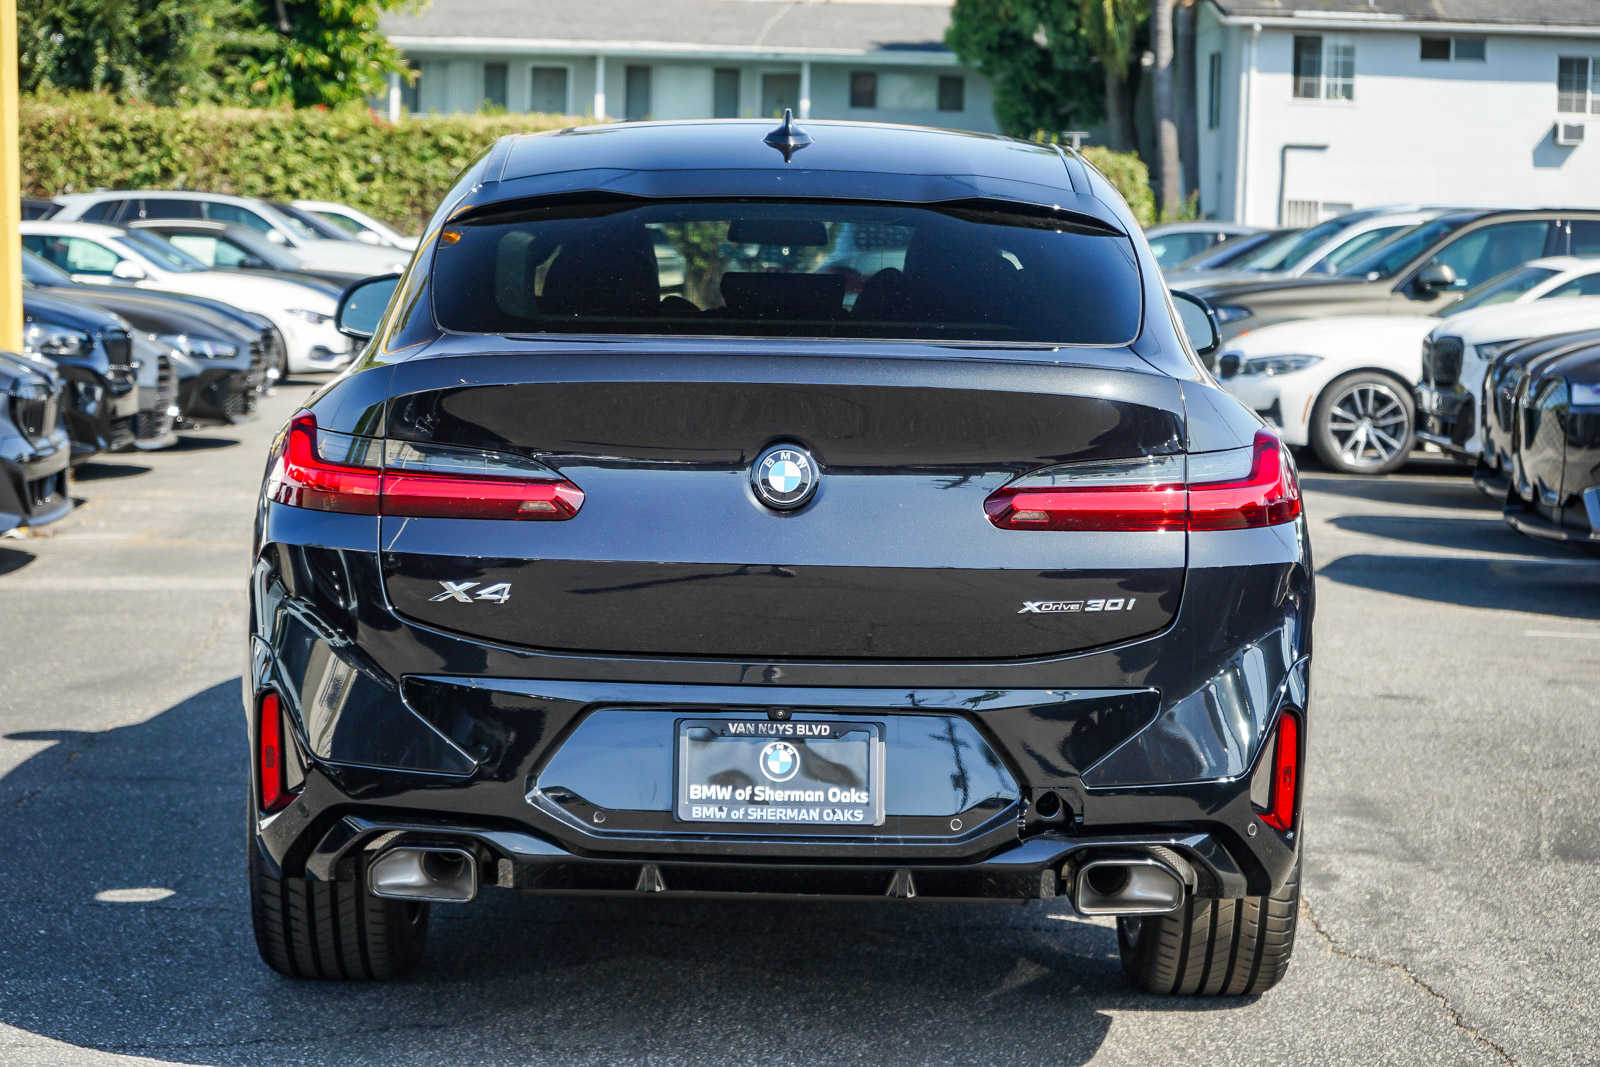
(1199, 322)
(276, 238)
(367, 237)
(129, 271)
(1229, 365)
(1435, 278)
(362, 306)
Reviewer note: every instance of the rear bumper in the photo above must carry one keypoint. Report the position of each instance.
(1036, 869)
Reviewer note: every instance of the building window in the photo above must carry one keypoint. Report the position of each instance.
(952, 92)
(547, 90)
(1443, 49)
(494, 85)
(1324, 68)
(725, 93)
(636, 93)
(1213, 90)
(1575, 88)
(863, 89)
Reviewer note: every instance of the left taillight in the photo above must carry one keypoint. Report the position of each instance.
(271, 758)
(368, 476)
(1234, 490)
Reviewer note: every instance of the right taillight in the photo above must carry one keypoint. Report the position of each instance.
(1234, 490)
(368, 476)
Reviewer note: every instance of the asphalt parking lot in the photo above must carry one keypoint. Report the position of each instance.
(1452, 891)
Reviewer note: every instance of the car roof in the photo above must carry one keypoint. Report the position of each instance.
(1202, 226)
(129, 194)
(729, 158)
(73, 229)
(1564, 264)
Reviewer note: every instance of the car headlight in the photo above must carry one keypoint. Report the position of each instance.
(53, 341)
(1273, 365)
(1585, 394)
(1232, 313)
(199, 347)
(315, 318)
(1487, 352)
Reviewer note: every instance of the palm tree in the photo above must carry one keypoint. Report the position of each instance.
(1169, 185)
(1110, 27)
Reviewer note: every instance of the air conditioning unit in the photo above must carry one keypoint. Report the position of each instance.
(1569, 134)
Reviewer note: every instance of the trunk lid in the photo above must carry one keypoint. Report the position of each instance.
(673, 553)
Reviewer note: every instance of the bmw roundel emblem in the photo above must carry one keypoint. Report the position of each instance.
(780, 761)
(784, 477)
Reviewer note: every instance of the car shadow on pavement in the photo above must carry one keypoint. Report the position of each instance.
(99, 470)
(1441, 492)
(127, 929)
(1568, 587)
(192, 442)
(1478, 533)
(14, 559)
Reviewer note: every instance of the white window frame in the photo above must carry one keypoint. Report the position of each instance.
(1591, 102)
(1326, 81)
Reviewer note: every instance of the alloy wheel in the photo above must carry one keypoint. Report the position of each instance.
(1368, 423)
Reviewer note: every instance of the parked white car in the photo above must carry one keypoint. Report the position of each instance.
(318, 252)
(106, 255)
(1343, 385)
(1321, 249)
(358, 224)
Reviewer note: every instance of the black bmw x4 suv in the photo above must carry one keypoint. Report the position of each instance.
(841, 511)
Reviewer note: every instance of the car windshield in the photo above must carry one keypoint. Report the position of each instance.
(162, 252)
(1501, 289)
(309, 227)
(789, 268)
(41, 271)
(1291, 248)
(1391, 257)
(1346, 251)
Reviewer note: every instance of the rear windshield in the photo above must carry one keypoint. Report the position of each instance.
(796, 269)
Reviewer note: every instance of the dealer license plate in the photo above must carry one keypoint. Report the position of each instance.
(783, 773)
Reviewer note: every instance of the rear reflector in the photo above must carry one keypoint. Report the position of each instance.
(1285, 773)
(275, 793)
(303, 476)
(1100, 498)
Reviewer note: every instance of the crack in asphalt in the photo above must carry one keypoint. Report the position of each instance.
(1409, 975)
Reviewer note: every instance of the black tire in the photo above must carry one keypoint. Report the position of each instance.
(307, 929)
(1333, 414)
(1214, 947)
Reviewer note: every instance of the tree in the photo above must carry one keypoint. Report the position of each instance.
(1037, 58)
(1111, 29)
(253, 52)
(1169, 167)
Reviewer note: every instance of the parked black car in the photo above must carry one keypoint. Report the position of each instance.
(1501, 383)
(93, 349)
(1414, 273)
(219, 353)
(1555, 467)
(979, 588)
(34, 447)
(155, 423)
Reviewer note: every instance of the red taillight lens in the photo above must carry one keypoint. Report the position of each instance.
(1285, 781)
(1268, 496)
(1121, 507)
(303, 477)
(1079, 499)
(270, 755)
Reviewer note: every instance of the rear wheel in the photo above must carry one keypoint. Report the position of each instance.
(1363, 424)
(307, 929)
(1213, 947)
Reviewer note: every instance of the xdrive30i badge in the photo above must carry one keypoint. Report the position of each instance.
(784, 477)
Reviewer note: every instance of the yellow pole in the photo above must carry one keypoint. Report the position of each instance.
(10, 186)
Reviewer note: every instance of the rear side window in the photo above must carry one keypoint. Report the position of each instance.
(104, 211)
(800, 269)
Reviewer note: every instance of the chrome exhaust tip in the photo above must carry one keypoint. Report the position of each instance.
(437, 874)
(1127, 885)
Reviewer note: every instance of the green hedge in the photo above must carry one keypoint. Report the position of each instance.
(397, 173)
(1127, 172)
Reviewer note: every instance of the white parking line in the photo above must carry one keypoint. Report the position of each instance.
(1562, 633)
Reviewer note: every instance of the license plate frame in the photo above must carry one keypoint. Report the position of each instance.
(835, 762)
